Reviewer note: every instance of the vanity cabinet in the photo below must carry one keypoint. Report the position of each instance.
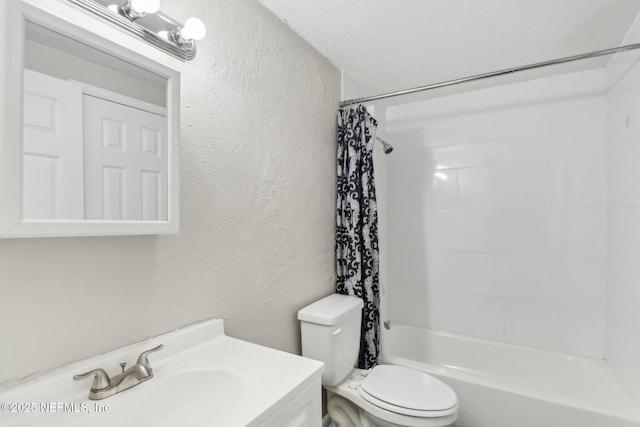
(305, 410)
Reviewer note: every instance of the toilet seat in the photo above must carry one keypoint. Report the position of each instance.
(407, 391)
(404, 411)
(351, 389)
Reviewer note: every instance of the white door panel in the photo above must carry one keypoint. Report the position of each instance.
(52, 148)
(125, 162)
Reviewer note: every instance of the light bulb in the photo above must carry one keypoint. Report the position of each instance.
(145, 6)
(193, 29)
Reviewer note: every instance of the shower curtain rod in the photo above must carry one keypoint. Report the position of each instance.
(483, 76)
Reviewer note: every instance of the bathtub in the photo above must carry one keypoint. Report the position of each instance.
(507, 385)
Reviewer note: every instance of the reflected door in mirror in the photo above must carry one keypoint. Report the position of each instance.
(97, 156)
(125, 160)
(53, 152)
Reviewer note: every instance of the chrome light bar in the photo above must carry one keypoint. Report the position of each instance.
(155, 28)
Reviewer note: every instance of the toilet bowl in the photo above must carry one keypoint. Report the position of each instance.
(384, 396)
(392, 396)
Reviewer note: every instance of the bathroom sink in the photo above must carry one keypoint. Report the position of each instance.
(200, 378)
(192, 398)
(216, 393)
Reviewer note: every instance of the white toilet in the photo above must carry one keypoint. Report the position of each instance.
(385, 396)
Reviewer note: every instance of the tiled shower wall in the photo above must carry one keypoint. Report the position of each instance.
(623, 215)
(496, 218)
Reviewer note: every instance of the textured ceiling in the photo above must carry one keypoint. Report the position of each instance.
(388, 45)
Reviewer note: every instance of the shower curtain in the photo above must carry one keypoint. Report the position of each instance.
(357, 224)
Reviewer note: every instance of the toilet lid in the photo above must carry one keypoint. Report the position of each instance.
(408, 388)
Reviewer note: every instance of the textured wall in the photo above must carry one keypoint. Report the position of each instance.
(257, 211)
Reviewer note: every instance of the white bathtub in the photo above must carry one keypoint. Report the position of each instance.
(507, 385)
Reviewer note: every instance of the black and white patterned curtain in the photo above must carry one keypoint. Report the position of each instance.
(357, 224)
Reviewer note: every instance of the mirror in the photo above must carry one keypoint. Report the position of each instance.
(94, 136)
(97, 145)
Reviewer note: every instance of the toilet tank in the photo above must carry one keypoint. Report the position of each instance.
(330, 330)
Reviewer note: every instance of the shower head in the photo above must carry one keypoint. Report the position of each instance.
(386, 146)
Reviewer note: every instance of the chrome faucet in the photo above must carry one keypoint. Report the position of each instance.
(104, 387)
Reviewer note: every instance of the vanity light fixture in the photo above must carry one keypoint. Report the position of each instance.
(143, 18)
(135, 9)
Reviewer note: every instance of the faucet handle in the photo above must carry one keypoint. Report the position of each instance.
(100, 380)
(142, 359)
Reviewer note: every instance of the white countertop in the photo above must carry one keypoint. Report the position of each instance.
(201, 378)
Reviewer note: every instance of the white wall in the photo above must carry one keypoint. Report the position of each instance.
(257, 211)
(496, 213)
(623, 221)
(59, 64)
